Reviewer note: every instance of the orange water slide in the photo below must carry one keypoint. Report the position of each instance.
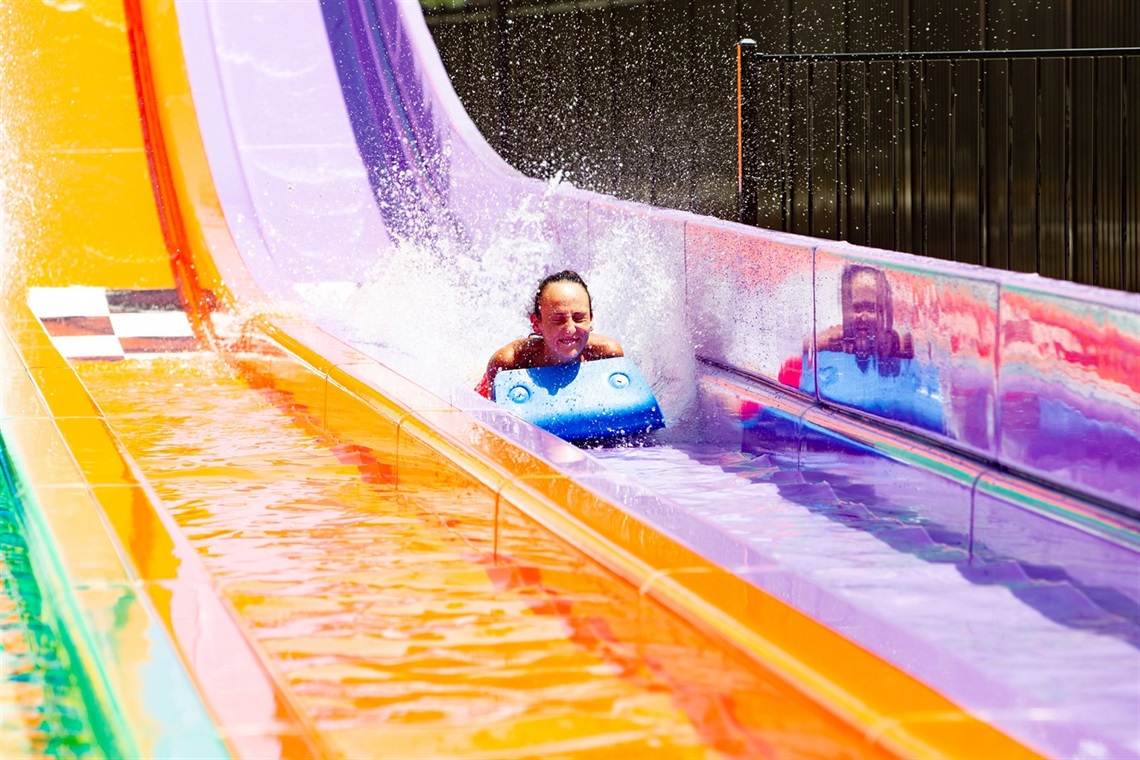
(344, 564)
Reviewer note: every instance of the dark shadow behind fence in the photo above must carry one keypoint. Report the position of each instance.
(1023, 160)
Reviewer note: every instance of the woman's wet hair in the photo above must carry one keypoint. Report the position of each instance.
(566, 275)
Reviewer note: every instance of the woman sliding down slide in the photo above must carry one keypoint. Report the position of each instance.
(563, 332)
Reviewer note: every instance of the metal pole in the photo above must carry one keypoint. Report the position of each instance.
(747, 160)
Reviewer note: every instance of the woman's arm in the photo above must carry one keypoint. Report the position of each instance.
(514, 355)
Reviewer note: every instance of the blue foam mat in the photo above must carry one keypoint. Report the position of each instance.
(601, 399)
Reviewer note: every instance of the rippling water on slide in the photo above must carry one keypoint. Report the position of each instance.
(389, 620)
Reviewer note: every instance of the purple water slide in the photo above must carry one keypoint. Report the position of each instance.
(359, 191)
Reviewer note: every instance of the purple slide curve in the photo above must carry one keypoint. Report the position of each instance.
(941, 462)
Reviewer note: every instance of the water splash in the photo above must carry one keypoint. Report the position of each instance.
(437, 309)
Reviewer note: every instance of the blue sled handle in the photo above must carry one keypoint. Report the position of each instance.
(601, 399)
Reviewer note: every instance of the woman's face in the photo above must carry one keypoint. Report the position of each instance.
(565, 322)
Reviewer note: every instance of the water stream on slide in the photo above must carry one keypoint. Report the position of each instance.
(387, 615)
(436, 314)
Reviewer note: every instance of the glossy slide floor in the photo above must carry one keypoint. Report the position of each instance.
(385, 620)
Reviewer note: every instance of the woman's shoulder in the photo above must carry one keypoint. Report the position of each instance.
(602, 347)
(518, 354)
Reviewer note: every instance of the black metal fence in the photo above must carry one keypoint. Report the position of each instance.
(1023, 160)
(636, 98)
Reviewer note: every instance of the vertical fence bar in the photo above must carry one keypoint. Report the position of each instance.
(922, 156)
(1095, 177)
(654, 97)
(1008, 163)
(951, 158)
(1037, 168)
(1125, 274)
(896, 164)
(786, 195)
(1051, 165)
(840, 115)
(690, 101)
(983, 191)
(866, 161)
(1023, 176)
(1128, 216)
(1110, 165)
(1083, 160)
(747, 172)
(810, 150)
(1070, 269)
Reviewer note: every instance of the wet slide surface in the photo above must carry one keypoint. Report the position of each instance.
(389, 616)
(425, 617)
(850, 526)
(994, 636)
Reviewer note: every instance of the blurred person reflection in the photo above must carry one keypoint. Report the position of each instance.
(867, 331)
(863, 362)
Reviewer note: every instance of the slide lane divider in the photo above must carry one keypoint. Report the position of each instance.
(125, 575)
(53, 502)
